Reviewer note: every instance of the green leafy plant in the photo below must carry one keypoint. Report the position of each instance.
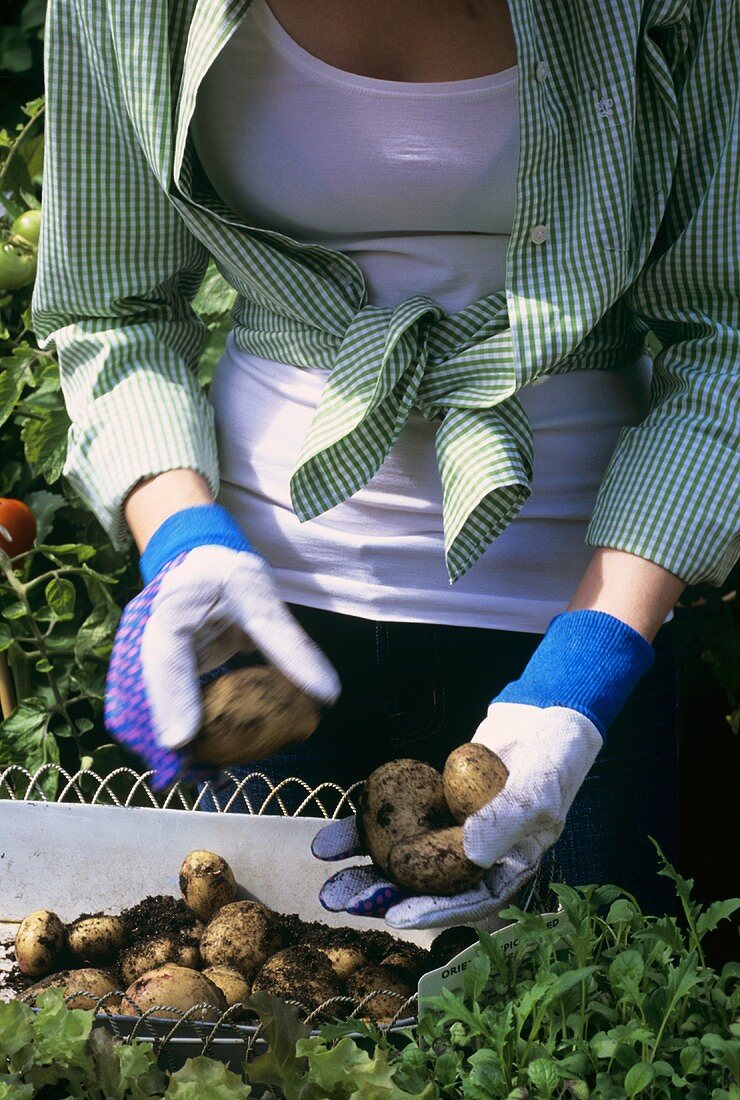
(61, 601)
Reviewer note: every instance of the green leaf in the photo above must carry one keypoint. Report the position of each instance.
(16, 1030)
(567, 981)
(44, 506)
(13, 378)
(33, 14)
(60, 1033)
(639, 1078)
(138, 1070)
(476, 976)
(45, 442)
(14, 611)
(626, 972)
(95, 635)
(279, 1065)
(25, 740)
(716, 912)
(204, 1077)
(691, 1057)
(15, 57)
(544, 1075)
(61, 596)
(15, 1089)
(621, 912)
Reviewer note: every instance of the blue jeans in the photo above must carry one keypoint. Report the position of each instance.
(417, 690)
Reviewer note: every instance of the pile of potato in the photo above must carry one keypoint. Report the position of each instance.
(218, 951)
(410, 818)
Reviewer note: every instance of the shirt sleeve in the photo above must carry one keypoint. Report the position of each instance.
(670, 493)
(117, 272)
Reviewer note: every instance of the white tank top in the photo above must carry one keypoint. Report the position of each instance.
(417, 183)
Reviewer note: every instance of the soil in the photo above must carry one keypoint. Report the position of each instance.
(375, 945)
(449, 943)
(157, 915)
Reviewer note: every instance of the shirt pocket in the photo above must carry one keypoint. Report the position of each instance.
(604, 139)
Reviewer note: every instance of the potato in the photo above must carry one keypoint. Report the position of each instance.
(434, 863)
(142, 957)
(84, 981)
(232, 984)
(399, 799)
(407, 958)
(96, 940)
(343, 959)
(382, 1008)
(299, 973)
(206, 883)
(39, 942)
(251, 713)
(472, 776)
(243, 934)
(177, 987)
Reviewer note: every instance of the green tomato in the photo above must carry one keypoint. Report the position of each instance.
(17, 267)
(28, 226)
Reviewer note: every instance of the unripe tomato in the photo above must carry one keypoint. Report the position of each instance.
(17, 527)
(17, 266)
(28, 226)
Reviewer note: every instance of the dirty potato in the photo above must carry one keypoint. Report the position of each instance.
(344, 959)
(232, 984)
(383, 1006)
(151, 954)
(39, 942)
(206, 883)
(177, 987)
(434, 863)
(251, 713)
(83, 982)
(243, 934)
(96, 940)
(473, 775)
(398, 800)
(299, 973)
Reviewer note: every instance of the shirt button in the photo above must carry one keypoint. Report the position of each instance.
(538, 234)
(541, 72)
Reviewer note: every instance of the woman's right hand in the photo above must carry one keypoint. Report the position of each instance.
(207, 595)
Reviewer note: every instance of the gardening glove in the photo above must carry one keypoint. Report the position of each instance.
(207, 595)
(548, 728)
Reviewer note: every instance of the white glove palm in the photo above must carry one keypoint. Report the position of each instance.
(216, 602)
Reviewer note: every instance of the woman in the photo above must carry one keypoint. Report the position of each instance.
(427, 210)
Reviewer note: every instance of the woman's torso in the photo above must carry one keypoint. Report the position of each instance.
(415, 179)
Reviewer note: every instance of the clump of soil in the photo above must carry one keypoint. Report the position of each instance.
(450, 943)
(157, 915)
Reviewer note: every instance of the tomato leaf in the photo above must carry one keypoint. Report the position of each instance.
(25, 740)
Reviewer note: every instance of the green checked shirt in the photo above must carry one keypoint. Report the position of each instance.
(626, 220)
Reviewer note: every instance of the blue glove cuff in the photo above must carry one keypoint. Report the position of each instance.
(199, 525)
(587, 661)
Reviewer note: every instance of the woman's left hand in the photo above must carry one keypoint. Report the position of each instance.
(548, 728)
